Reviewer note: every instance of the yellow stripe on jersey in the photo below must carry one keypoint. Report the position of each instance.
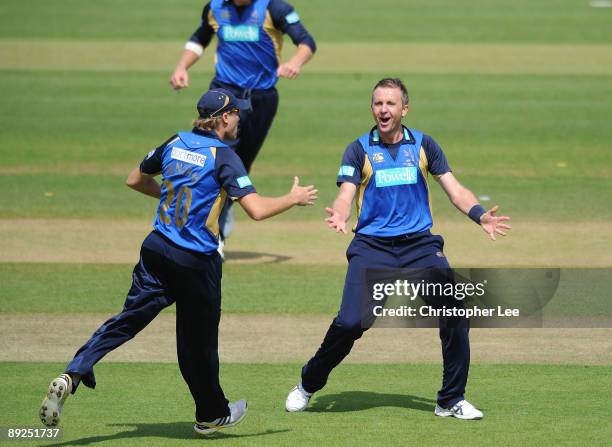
(212, 223)
(275, 34)
(366, 176)
(212, 21)
(423, 165)
(215, 26)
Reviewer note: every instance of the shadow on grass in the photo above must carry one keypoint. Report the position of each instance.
(168, 430)
(251, 256)
(364, 400)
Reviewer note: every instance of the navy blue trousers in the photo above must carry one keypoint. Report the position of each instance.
(254, 126)
(422, 250)
(254, 123)
(166, 274)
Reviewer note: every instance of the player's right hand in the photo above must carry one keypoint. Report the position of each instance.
(335, 221)
(303, 195)
(179, 79)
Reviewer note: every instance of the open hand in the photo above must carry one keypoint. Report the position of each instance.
(303, 195)
(493, 224)
(335, 221)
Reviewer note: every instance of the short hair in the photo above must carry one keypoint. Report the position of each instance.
(393, 83)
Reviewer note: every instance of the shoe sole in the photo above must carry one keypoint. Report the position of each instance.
(445, 414)
(208, 431)
(51, 407)
(296, 410)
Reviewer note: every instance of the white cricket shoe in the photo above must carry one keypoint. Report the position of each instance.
(461, 410)
(238, 411)
(51, 407)
(298, 399)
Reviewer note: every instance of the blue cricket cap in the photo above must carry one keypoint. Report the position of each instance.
(215, 102)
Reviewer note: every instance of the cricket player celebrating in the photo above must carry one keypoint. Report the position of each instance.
(179, 260)
(247, 62)
(392, 231)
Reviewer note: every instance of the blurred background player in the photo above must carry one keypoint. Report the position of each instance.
(387, 170)
(247, 62)
(179, 260)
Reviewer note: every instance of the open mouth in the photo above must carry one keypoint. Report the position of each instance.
(384, 121)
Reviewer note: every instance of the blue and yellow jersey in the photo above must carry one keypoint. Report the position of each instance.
(199, 172)
(250, 40)
(392, 192)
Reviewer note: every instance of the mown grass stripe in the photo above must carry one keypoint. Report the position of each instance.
(550, 21)
(279, 338)
(350, 57)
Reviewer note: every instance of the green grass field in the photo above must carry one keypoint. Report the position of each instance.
(365, 405)
(518, 94)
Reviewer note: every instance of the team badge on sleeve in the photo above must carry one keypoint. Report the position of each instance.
(346, 170)
(292, 18)
(244, 181)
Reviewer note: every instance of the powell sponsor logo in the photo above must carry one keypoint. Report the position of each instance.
(396, 176)
(188, 156)
(240, 33)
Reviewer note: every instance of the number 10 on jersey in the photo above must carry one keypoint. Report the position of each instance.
(181, 206)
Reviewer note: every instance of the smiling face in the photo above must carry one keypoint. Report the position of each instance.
(388, 110)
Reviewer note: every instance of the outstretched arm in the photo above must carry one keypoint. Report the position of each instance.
(466, 202)
(260, 207)
(340, 211)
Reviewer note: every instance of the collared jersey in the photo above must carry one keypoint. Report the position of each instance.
(392, 192)
(250, 39)
(198, 172)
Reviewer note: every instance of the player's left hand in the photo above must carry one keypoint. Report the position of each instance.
(493, 224)
(288, 70)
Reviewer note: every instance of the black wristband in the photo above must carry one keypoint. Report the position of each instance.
(476, 213)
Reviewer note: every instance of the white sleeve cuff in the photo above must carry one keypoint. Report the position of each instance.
(194, 47)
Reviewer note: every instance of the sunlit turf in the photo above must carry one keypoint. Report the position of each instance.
(395, 403)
